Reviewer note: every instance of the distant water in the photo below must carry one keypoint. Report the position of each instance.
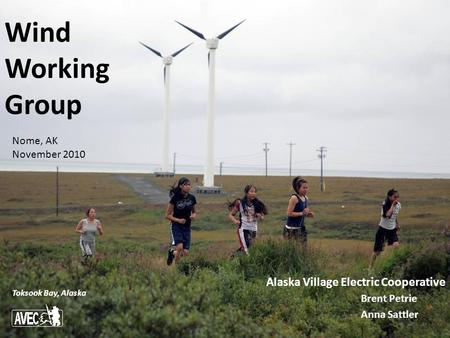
(6, 165)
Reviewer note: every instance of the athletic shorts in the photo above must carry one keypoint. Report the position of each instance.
(295, 233)
(87, 247)
(246, 238)
(181, 234)
(382, 235)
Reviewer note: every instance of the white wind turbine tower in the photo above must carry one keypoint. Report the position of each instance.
(167, 61)
(212, 44)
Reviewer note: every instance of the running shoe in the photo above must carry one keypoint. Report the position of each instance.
(170, 256)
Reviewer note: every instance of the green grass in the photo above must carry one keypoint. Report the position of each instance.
(25, 190)
(28, 203)
(132, 292)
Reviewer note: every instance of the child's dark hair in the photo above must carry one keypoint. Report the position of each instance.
(297, 183)
(88, 211)
(176, 188)
(260, 207)
(387, 202)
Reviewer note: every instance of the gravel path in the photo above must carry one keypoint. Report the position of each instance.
(146, 189)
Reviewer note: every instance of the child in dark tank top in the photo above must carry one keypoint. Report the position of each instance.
(297, 211)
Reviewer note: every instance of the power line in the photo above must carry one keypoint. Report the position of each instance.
(240, 156)
(308, 161)
(253, 155)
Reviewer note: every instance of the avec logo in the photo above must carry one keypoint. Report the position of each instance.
(37, 318)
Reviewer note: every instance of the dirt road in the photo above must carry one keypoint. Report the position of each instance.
(148, 191)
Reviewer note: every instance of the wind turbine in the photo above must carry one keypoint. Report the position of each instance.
(212, 44)
(167, 61)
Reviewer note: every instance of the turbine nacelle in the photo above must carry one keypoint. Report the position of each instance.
(212, 43)
(167, 61)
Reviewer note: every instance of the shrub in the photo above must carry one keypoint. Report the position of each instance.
(276, 258)
(396, 261)
(431, 261)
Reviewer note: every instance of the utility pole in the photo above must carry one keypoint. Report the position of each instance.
(322, 151)
(290, 144)
(265, 149)
(221, 178)
(174, 162)
(57, 190)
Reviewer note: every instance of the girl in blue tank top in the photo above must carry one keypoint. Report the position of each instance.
(297, 211)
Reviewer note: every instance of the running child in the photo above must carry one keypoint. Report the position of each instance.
(297, 211)
(88, 228)
(388, 226)
(250, 210)
(180, 212)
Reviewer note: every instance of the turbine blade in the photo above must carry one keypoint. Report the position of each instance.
(208, 58)
(164, 75)
(220, 36)
(182, 49)
(154, 51)
(200, 35)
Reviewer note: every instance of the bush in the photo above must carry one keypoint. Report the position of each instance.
(394, 264)
(276, 258)
(213, 297)
(431, 261)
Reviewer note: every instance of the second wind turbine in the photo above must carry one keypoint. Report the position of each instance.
(167, 61)
(212, 44)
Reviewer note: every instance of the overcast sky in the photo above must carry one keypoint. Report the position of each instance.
(369, 80)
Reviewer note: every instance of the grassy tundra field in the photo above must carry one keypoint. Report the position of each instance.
(132, 293)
